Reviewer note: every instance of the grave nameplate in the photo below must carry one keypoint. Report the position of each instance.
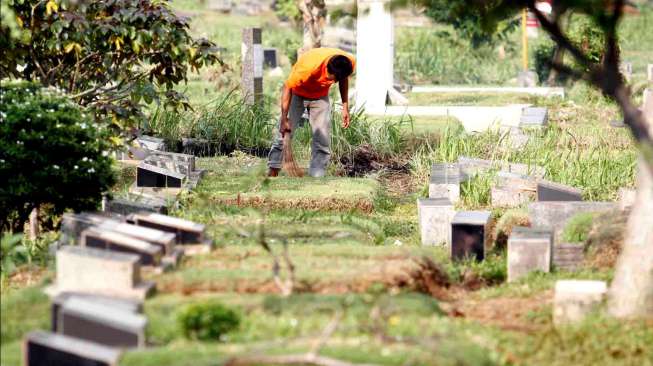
(445, 182)
(270, 57)
(529, 250)
(435, 216)
(126, 207)
(187, 232)
(533, 117)
(469, 234)
(50, 349)
(568, 256)
(101, 272)
(152, 176)
(151, 143)
(555, 214)
(550, 191)
(574, 299)
(101, 323)
(94, 237)
(125, 305)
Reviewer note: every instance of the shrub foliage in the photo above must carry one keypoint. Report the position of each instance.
(50, 153)
(208, 321)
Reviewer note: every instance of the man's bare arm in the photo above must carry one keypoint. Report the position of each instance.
(286, 95)
(343, 85)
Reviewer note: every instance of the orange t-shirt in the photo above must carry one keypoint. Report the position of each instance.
(309, 76)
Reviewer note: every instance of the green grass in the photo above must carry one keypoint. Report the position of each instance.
(470, 99)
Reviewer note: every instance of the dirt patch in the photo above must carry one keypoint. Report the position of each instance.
(321, 204)
(398, 184)
(364, 160)
(27, 276)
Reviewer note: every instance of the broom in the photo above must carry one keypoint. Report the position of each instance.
(289, 164)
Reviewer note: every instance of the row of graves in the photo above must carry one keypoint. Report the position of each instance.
(536, 248)
(102, 260)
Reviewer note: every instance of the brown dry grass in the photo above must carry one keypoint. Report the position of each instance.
(307, 203)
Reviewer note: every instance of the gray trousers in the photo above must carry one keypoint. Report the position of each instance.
(319, 112)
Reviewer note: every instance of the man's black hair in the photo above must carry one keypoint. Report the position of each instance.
(340, 66)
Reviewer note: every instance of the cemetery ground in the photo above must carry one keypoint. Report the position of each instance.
(353, 237)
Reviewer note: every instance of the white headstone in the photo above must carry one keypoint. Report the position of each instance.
(574, 299)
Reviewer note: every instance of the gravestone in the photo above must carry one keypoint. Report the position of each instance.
(512, 190)
(131, 306)
(529, 250)
(152, 176)
(185, 162)
(223, 6)
(626, 69)
(94, 237)
(555, 214)
(126, 207)
(187, 232)
(435, 216)
(574, 299)
(101, 272)
(252, 66)
(73, 224)
(445, 182)
(550, 191)
(102, 323)
(151, 142)
(49, 349)
(649, 73)
(270, 58)
(469, 234)
(534, 117)
(568, 256)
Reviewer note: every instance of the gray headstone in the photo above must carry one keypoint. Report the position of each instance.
(555, 214)
(131, 306)
(50, 349)
(533, 117)
(574, 299)
(550, 191)
(445, 181)
(102, 323)
(152, 176)
(101, 272)
(435, 216)
(187, 232)
(126, 207)
(469, 234)
(270, 57)
(181, 159)
(94, 237)
(151, 142)
(568, 256)
(252, 64)
(529, 250)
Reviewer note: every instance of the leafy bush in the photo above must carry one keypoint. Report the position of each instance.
(578, 227)
(17, 250)
(208, 321)
(50, 153)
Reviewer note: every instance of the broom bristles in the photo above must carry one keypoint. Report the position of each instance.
(288, 163)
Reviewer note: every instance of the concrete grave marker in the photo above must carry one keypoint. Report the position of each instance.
(550, 191)
(101, 272)
(124, 305)
(94, 237)
(102, 323)
(252, 63)
(445, 181)
(187, 232)
(534, 117)
(574, 299)
(151, 142)
(126, 207)
(555, 214)
(472, 166)
(152, 176)
(647, 104)
(529, 250)
(469, 234)
(187, 160)
(435, 216)
(49, 349)
(568, 256)
(512, 190)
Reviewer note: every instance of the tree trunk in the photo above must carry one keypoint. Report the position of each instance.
(34, 223)
(314, 18)
(631, 292)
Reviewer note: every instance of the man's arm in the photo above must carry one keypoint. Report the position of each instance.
(285, 106)
(343, 85)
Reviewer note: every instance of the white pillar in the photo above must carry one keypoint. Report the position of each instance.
(374, 54)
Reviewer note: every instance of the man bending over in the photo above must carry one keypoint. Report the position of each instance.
(307, 87)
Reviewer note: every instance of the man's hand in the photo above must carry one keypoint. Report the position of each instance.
(284, 126)
(345, 117)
